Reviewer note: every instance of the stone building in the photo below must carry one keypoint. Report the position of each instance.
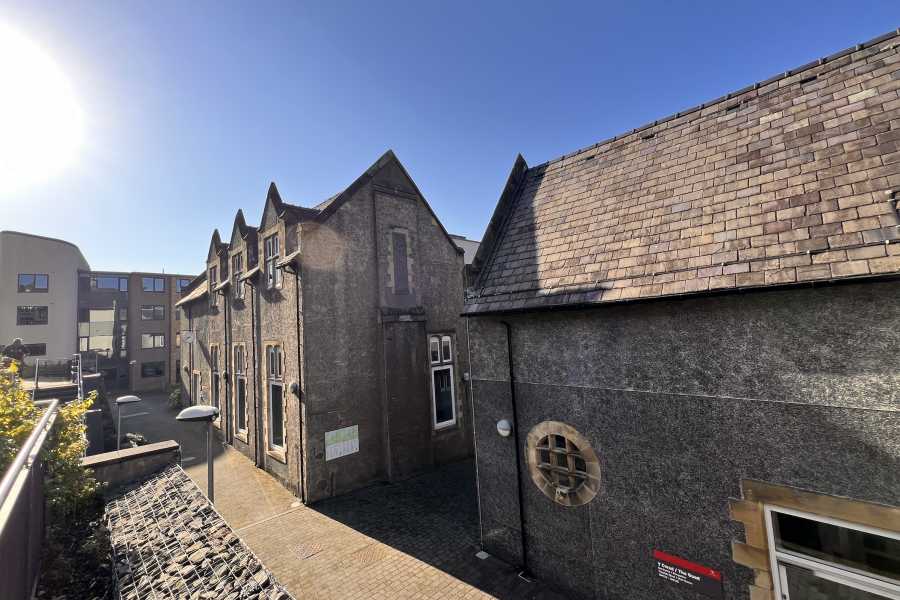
(330, 338)
(692, 333)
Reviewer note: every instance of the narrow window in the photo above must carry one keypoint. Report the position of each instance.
(177, 313)
(37, 349)
(275, 387)
(240, 388)
(435, 351)
(181, 283)
(213, 296)
(442, 396)
(237, 270)
(214, 374)
(272, 252)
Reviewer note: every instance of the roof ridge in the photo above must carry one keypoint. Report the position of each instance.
(729, 96)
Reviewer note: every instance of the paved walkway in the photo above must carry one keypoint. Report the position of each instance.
(416, 539)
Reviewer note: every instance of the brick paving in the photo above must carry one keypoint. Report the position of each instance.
(416, 539)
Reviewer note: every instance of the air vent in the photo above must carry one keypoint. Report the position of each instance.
(809, 80)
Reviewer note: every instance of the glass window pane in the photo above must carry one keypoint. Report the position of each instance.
(841, 545)
(40, 282)
(147, 284)
(445, 343)
(241, 403)
(443, 396)
(102, 315)
(108, 283)
(435, 353)
(806, 585)
(160, 285)
(26, 283)
(277, 413)
(123, 285)
(104, 343)
(123, 314)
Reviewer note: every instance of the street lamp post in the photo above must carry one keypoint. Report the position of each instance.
(208, 414)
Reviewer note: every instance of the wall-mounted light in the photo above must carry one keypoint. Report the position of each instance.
(504, 428)
(465, 376)
(294, 388)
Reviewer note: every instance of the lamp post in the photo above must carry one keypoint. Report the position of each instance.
(119, 403)
(208, 414)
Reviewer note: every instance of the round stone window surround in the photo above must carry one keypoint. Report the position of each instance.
(563, 482)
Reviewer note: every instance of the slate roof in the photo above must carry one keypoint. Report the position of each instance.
(169, 542)
(785, 181)
(197, 293)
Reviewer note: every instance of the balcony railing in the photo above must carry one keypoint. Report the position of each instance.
(23, 510)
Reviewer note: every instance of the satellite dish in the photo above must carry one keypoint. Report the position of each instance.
(187, 337)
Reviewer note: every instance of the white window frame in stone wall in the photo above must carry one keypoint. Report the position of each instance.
(275, 378)
(441, 364)
(213, 281)
(240, 375)
(271, 255)
(824, 569)
(214, 378)
(237, 269)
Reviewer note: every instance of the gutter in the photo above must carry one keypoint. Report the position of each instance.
(684, 295)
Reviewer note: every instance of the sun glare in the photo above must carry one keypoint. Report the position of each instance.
(40, 123)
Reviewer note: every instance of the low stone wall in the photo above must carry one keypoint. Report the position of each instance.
(114, 468)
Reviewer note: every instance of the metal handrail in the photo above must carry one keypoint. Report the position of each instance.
(22, 457)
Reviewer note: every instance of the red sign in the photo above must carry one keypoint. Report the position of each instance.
(702, 580)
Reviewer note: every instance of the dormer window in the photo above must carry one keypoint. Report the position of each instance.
(272, 252)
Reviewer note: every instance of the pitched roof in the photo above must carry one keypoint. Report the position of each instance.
(170, 542)
(784, 181)
(197, 293)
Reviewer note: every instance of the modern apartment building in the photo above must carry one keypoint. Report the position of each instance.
(39, 292)
(128, 327)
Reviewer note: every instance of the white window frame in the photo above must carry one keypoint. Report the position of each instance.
(275, 377)
(157, 340)
(240, 373)
(848, 576)
(452, 422)
(449, 342)
(213, 281)
(215, 378)
(431, 341)
(271, 254)
(237, 269)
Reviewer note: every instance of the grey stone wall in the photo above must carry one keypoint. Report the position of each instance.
(681, 399)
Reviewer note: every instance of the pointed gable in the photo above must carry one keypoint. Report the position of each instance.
(274, 206)
(215, 246)
(238, 232)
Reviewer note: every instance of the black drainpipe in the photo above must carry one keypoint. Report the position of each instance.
(296, 275)
(223, 356)
(515, 426)
(255, 374)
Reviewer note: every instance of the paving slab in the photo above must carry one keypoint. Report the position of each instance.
(415, 539)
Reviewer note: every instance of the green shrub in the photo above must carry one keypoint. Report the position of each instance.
(133, 440)
(175, 399)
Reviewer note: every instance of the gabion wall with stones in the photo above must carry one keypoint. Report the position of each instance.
(169, 542)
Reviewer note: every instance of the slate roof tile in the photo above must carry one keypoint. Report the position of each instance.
(781, 182)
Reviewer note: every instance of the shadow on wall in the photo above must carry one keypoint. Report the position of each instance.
(433, 518)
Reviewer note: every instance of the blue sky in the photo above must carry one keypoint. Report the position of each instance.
(192, 108)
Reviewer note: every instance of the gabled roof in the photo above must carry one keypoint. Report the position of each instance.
(241, 231)
(782, 182)
(216, 247)
(195, 294)
(283, 210)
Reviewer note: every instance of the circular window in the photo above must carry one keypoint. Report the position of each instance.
(562, 463)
